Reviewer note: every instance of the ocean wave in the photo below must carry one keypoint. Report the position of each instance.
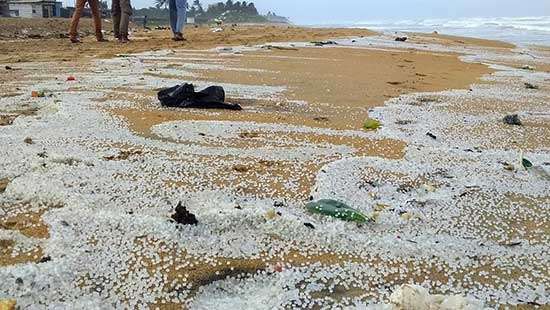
(519, 30)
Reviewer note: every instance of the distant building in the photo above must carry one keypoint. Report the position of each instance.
(33, 8)
(4, 12)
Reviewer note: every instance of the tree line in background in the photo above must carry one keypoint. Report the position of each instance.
(229, 11)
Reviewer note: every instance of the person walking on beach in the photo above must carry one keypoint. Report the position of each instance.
(96, 14)
(178, 17)
(121, 10)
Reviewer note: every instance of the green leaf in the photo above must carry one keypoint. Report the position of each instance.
(526, 163)
(371, 124)
(337, 210)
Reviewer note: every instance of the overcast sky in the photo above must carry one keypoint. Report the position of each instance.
(338, 11)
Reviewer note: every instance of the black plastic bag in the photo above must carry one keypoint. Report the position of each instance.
(184, 96)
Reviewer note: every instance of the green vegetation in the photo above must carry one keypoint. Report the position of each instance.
(228, 12)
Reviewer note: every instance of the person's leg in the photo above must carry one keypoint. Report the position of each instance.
(173, 15)
(115, 14)
(73, 31)
(125, 13)
(96, 14)
(182, 16)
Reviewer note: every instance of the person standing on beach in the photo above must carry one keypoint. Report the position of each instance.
(121, 10)
(96, 14)
(178, 17)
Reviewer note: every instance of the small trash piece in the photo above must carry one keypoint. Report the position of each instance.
(531, 86)
(38, 94)
(4, 184)
(321, 43)
(526, 163)
(71, 78)
(527, 67)
(403, 122)
(279, 267)
(401, 39)
(512, 120)
(184, 217)
(511, 244)
(309, 225)
(44, 259)
(337, 210)
(8, 68)
(28, 140)
(508, 166)
(371, 124)
(431, 135)
(271, 214)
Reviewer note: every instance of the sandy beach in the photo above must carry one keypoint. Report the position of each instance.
(91, 173)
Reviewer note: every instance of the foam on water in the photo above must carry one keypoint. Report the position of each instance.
(518, 30)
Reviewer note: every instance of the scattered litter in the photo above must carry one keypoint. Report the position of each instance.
(338, 210)
(508, 166)
(428, 188)
(407, 216)
(271, 214)
(531, 86)
(309, 225)
(410, 296)
(44, 259)
(371, 124)
(404, 122)
(395, 83)
(28, 140)
(279, 267)
(161, 28)
(431, 135)
(38, 94)
(526, 163)
(321, 119)
(71, 78)
(401, 39)
(184, 96)
(241, 168)
(511, 244)
(123, 155)
(282, 48)
(527, 67)
(322, 43)
(8, 68)
(512, 120)
(184, 217)
(217, 30)
(4, 184)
